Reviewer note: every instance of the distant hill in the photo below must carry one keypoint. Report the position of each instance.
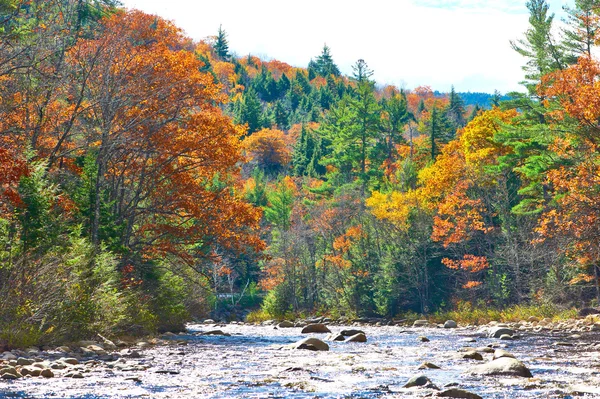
(477, 98)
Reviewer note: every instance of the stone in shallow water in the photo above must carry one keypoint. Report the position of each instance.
(497, 332)
(498, 353)
(428, 365)
(349, 333)
(310, 344)
(285, 324)
(473, 355)
(458, 393)
(335, 337)
(423, 339)
(417, 381)
(420, 323)
(360, 337)
(318, 328)
(450, 324)
(502, 366)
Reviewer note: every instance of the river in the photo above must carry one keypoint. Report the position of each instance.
(250, 364)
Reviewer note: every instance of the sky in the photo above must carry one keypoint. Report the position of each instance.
(408, 43)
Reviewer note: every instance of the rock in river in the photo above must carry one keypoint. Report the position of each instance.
(458, 393)
(310, 344)
(335, 337)
(420, 323)
(417, 381)
(497, 332)
(473, 355)
(319, 328)
(428, 365)
(502, 366)
(360, 337)
(450, 324)
(285, 324)
(349, 333)
(498, 353)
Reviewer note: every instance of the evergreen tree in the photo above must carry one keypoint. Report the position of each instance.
(221, 45)
(323, 65)
(538, 46)
(250, 112)
(456, 110)
(582, 29)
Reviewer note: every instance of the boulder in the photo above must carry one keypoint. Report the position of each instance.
(427, 365)
(506, 337)
(423, 339)
(498, 353)
(30, 370)
(69, 360)
(24, 362)
(335, 337)
(458, 393)
(420, 323)
(497, 332)
(349, 333)
(360, 337)
(417, 381)
(318, 328)
(502, 366)
(285, 324)
(310, 344)
(450, 324)
(9, 356)
(473, 355)
(47, 373)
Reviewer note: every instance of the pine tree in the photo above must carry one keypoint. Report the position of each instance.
(221, 44)
(582, 30)
(324, 65)
(456, 110)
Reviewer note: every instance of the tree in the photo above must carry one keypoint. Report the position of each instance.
(456, 110)
(221, 45)
(269, 150)
(324, 64)
(538, 46)
(581, 33)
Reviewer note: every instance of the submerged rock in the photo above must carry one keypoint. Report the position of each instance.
(502, 366)
(318, 328)
(423, 339)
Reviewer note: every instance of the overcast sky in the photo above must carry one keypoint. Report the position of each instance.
(407, 43)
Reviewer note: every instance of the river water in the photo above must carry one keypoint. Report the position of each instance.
(251, 364)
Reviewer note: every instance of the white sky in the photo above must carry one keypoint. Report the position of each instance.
(407, 43)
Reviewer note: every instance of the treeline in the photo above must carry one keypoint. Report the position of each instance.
(379, 201)
(146, 179)
(119, 174)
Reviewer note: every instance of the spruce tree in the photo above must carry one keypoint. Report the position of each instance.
(221, 46)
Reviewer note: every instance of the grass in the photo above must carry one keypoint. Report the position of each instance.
(467, 313)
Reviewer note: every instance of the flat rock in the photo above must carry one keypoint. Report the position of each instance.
(318, 328)
(420, 323)
(502, 366)
(360, 337)
(458, 393)
(506, 337)
(285, 324)
(310, 344)
(216, 332)
(69, 360)
(423, 339)
(427, 365)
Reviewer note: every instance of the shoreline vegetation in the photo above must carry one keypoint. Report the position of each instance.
(147, 179)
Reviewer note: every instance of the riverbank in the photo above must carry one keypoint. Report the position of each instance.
(243, 360)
